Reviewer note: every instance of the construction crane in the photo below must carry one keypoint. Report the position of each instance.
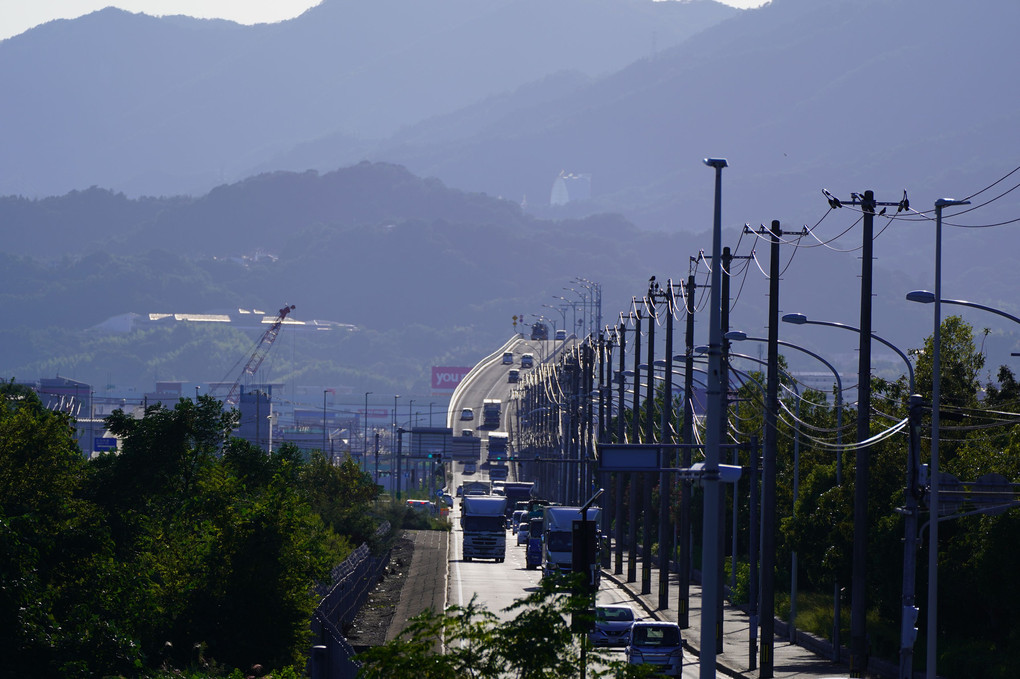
(258, 355)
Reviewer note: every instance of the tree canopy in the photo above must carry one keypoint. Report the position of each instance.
(187, 549)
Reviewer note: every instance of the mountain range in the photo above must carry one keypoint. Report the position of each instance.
(132, 140)
(159, 106)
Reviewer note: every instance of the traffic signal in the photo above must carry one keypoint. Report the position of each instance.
(908, 634)
(438, 457)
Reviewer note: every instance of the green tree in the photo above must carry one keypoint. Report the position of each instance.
(223, 545)
(340, 494)
(57, 576)
(469, 641)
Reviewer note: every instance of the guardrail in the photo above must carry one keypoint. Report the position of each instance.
(473, 374)
(352, 580)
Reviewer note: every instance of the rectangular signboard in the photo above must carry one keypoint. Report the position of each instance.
(102, 443)
(446, 378)
(426, 441)
(629, 457)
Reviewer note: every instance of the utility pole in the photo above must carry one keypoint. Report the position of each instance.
(767, 603)
(635, 478)
(753, 553)
(686, 486)
(666, 530)
(621, 477)
(725, 262)
(606, 410)
(910, 511)
(858, 592)
(768, 477)
(858, 580)
(400, 441)
(589, 430)
(647, 480)
(724, 379)
(377, 457)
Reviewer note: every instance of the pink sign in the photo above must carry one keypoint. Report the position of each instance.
(446, 379)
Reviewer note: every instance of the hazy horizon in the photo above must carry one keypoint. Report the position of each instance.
(16, 17)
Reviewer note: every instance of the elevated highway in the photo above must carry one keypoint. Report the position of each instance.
(490, 379)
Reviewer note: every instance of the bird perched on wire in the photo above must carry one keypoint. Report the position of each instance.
(833, 201)
(904, 204)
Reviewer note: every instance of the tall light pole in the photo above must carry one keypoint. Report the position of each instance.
(573, 305)
(324, 392)
(563, 314)
(364, 451)
(583, 301)
(933, 476)
(272, 423)
(393, 444)
(739, 336)
(910, 512)
(710, 557)
(596, 301)
(926, 297)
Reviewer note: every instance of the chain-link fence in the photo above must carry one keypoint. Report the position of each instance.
(351, 582)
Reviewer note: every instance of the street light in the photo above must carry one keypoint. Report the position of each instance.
(801, 319)
(272, 417)
(910, 511)
(393, 441)
(754, 522)
(324, 392)
(710, 565)
(926, 297)
(739, 336)
(573, 305)
(563, 314)
(364, 453)
(936, 380)
(584, 306)
(595, 289)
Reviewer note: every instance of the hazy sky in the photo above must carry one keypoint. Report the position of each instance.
(17, 16)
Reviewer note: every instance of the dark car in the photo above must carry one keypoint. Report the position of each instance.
(533, 555)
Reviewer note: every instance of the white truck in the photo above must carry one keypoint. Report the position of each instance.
(483, 521)
(491, 408)
(558, 543)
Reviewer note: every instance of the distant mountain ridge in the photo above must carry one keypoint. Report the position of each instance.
(267, 212)
(800, 94)
(165, 106)
(430, 275)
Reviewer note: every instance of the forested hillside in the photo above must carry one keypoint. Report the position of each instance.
(429, 275)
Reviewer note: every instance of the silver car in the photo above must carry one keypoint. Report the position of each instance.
(612, 625)
(658, 644)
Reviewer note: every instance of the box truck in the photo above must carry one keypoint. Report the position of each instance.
(483, 521)
(558, 539)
